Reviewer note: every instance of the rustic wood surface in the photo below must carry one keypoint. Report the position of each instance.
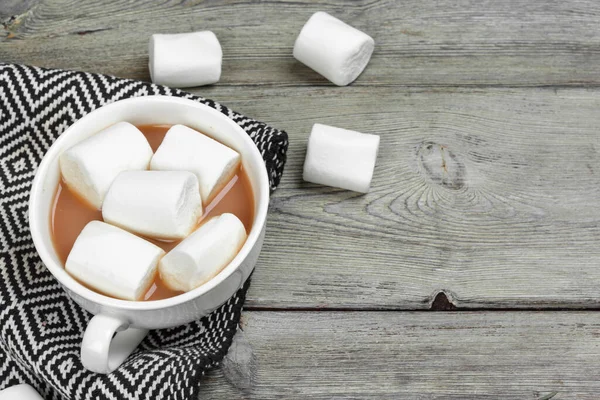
(485, 190)
(489, 195)
(417, 355)
(444, 42)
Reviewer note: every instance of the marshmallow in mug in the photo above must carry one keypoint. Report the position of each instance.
(340, 158)
(333, 48)
(113, 261)
(184, 149)
(185, 59)
(90, 166)
(203, 254)
(158, 204)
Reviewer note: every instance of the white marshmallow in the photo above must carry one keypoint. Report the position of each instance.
(203, 254)
(90, 166)
(158, 204)
(340, 158)
(333, 48)
(113, 261)
(213, 163)
(20, 392)
(185, 59)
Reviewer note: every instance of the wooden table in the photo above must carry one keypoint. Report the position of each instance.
(484, 199)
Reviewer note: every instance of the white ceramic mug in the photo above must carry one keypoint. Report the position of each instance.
(100, 352)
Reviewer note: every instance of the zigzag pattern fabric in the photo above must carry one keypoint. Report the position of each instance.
(40, 326)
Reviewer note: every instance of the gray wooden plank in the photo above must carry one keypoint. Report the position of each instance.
(415, 355)
(445, 42)
(10, 9)
(510, 220)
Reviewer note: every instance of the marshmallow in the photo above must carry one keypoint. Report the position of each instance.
(203, 254)
(213, 163)
(158, 204)
(20, 392)
(340, 158)
(185, 59)
(90, 166)
(333, 48)
(113, 261)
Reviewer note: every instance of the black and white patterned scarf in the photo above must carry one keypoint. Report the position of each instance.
(40, 326)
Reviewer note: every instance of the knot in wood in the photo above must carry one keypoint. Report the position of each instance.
(440, 165)
(441, 302)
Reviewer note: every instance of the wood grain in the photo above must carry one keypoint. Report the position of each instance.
(10, 10)
(418, 355)
(488, 195)
(446, 42)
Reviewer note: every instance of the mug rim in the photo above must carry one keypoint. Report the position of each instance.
(70, 283)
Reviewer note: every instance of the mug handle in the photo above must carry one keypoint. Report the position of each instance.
(101, 350)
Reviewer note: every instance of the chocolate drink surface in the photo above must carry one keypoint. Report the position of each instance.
(70, 213)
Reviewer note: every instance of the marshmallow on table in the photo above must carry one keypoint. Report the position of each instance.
(20, 392)
(90, 166)
(185, 59)
(113, 261)
(203, 254)
(340, 158)
(333, 48)
(213, 163)
(158, 204)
